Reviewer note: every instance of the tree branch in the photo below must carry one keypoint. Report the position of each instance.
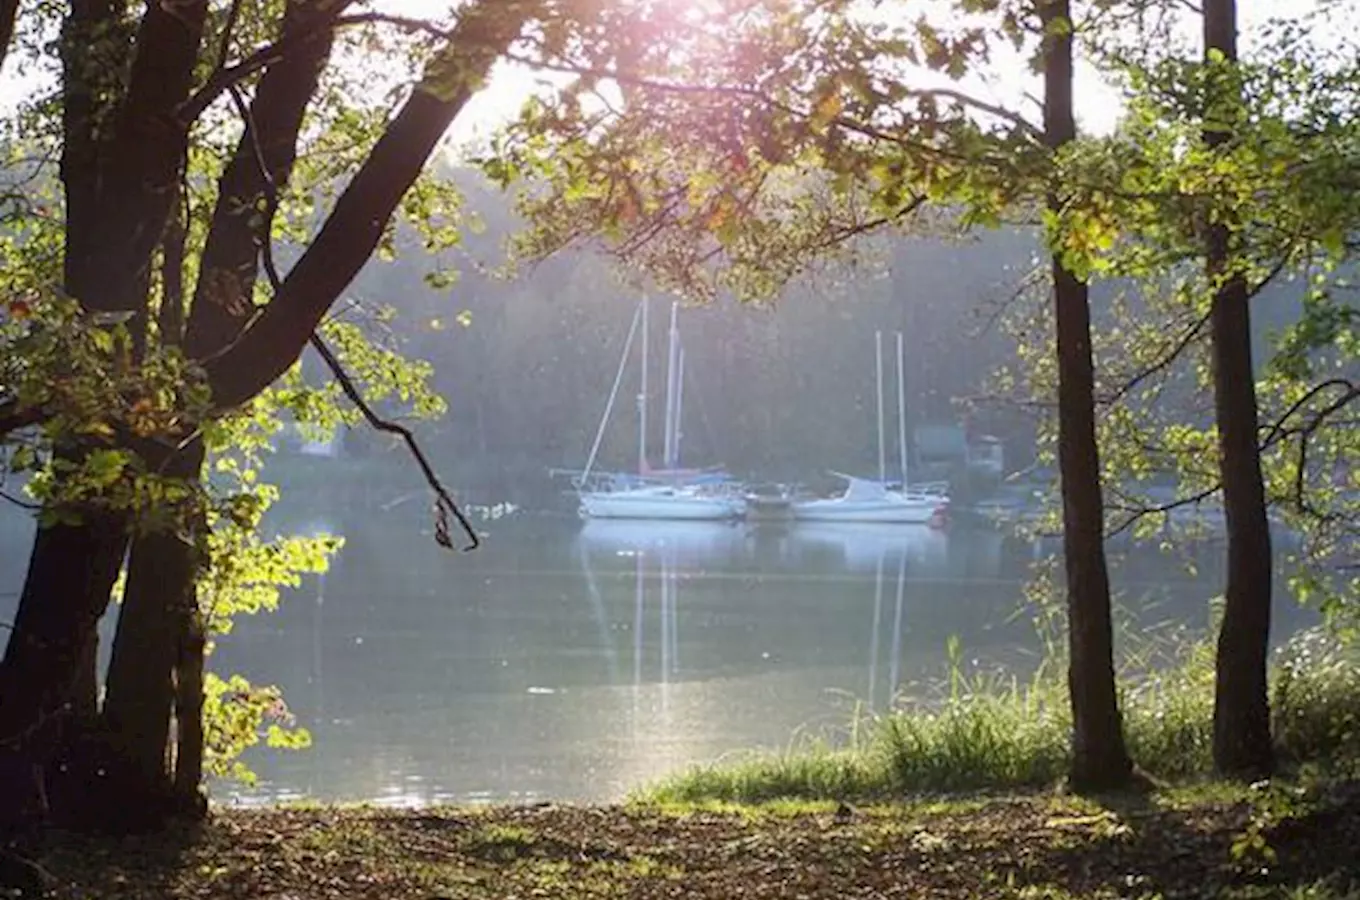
(1177, 348)
(628, 79)
(227, 75)
(444, 503)
(1139, 513)
(229, 264)
(15, 418)
(356, 223)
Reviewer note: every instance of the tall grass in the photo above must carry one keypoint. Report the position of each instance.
(981, 730)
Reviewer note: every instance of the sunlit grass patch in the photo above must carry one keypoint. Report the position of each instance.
(982, 731)
(499, 842)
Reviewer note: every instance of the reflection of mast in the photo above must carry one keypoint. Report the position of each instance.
(600, 615)
(639, 597)
(665, 626)
(897, 628)
(873, 643)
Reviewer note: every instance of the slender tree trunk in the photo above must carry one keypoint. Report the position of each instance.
(189, 712)
(139, 696)
(1242, 743)
(1099, 758)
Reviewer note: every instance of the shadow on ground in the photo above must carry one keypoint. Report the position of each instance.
(1281, 842)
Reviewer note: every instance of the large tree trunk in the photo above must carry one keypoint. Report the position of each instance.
(1099, 758)
(119, 184)
(156, 672)
(71, 570)
(1242, 744)
(50, 653)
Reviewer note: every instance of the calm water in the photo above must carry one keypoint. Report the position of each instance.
(573, 660)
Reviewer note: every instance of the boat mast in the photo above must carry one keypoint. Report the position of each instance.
(878, 382)
(672, 362)
(642, 397)
(679, 403)
(902, 409)
(613, 395)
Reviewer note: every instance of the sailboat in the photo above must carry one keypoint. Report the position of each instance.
(671, 493)
(866, 500)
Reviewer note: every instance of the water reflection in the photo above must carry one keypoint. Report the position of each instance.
(577, 660)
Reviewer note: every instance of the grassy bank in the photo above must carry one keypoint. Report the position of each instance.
(1289, 841)
(980, 731)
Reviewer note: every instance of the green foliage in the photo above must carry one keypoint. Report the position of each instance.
(236, 715)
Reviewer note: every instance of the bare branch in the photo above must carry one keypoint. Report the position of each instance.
(1138, 513)
(1278, 431)
(227, 29)
(636, 81)
(364, 208)
(444, 503)
(22, 504)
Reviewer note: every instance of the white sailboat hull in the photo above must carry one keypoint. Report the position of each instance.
(660, 504)
(906, 510)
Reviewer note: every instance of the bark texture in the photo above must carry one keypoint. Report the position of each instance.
(1099, 757)
(1242, 742)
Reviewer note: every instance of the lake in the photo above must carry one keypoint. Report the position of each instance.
(576, 661)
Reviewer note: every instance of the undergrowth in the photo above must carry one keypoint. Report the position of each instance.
(982, 730)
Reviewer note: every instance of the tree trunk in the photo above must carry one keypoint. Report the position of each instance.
(155, 669)
(1099, 758)
(84, 697)
(9, 9)
(1242, 743)
(71, 571)
(189, 713)
(139, 696)
(45, 678)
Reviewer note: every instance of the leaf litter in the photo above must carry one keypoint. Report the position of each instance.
(1035, 845)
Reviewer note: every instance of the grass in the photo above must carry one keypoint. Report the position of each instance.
(983, 731)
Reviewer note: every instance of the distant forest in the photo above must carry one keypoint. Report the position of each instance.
(782, 392)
